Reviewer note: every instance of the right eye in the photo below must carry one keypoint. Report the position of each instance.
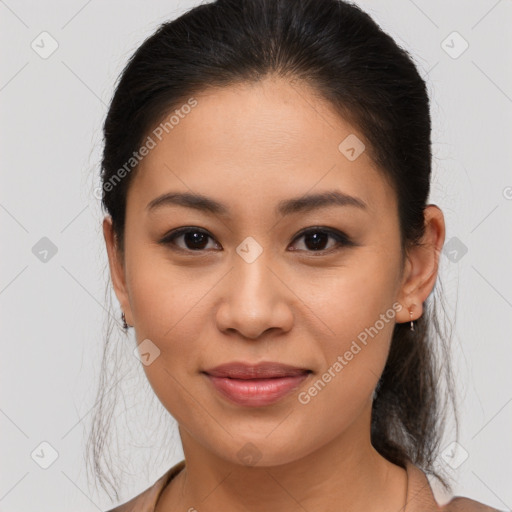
(194, 239)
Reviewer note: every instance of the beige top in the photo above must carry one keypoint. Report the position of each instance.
(419, 495)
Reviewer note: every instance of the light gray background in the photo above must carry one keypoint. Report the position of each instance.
(53, 312)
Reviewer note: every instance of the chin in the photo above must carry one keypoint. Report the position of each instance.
(262, 449)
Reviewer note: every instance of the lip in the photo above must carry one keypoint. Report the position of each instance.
(263, 370)
(256, 385)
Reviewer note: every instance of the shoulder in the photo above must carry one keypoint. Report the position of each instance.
(420, 497)
(146, 500)
(460, 504)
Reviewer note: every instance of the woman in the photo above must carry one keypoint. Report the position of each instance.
(266, 172)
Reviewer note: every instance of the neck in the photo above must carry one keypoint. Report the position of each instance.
(345, 474)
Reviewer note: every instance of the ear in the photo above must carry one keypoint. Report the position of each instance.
(422, 265)
(117, 271)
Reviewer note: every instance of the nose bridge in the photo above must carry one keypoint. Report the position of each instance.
(253, 301)
(252, 276)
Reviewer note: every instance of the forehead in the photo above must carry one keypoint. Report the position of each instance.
(258, 142)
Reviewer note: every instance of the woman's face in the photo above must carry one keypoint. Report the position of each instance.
(247, 285)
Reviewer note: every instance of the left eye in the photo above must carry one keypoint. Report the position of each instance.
(315, 239)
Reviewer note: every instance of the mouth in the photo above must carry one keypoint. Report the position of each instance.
(255, 385)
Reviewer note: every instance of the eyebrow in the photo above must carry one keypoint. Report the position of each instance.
(286, 207)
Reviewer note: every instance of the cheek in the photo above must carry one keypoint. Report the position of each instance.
(357, 310)
(352, 299)
(354, 359)
(163, 296)
(168, 311)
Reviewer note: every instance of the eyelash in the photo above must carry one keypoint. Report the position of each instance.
(341, 239)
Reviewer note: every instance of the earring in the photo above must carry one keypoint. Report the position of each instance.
(123, 318)
(412, 323)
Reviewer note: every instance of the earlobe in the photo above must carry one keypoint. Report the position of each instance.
(116, 266)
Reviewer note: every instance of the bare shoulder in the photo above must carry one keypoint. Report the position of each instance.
(146, 500)
(139, 503)
(461, 504)
(125, 507)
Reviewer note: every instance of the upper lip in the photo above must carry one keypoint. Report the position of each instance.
(263, 370)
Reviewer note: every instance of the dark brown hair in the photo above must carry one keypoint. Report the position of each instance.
(349, 61)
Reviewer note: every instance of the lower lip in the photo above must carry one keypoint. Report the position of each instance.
(256, 392)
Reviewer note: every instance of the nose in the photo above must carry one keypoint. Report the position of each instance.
(255, 299)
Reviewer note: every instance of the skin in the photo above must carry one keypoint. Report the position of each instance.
(251, 146)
